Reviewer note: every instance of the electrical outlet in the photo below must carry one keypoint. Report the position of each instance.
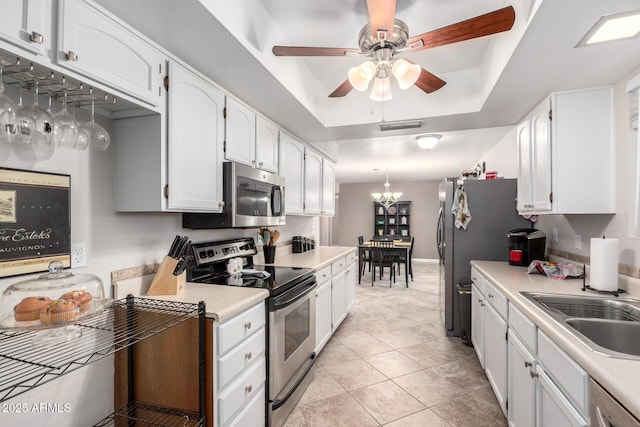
(578, 241)
(78, 255)
(555, 234)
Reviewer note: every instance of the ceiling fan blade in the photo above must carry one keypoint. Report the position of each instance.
(313, 51)
(382, 14)
(483, 25)
(342, 90)
(429, 82)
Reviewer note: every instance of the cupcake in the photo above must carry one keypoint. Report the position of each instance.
(80, 297)
(29, 308)
(60, 310)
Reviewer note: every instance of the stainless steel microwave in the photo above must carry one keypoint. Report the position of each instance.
(252, 198)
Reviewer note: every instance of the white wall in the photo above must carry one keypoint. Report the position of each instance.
(114, 241)
(502, 157)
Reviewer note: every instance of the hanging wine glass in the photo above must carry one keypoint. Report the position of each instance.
(65, 127)
(7, 112)
(82, 142)
(99, 138)
(42, 131)
(24, 124)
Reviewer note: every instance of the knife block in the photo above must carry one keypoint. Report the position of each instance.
(164, 282)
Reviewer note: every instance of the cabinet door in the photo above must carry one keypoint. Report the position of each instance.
(323, 315)
(495, 354)
(541, 158)
(521, 384)
(477, 323)
(291, 167)
(196, 127)
(352, 273)
(240, 133)
(312, 182)
(266, 145)
(523, 135)
(338, 299)
(552, 407)
(23, 21)
(94, 45)
(328, 188)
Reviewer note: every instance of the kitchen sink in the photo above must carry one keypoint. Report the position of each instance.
(610, 326)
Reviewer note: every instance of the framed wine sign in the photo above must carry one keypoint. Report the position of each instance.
(35, 221)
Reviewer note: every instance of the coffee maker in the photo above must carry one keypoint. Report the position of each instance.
(526, 245)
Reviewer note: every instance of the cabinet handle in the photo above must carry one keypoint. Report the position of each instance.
(221, 204)
(490, 295)
(528, 364)
(248, 389)
(247, 356)
(247, 325)
(72, 56)
(260, 163)
(534, 375)
(481, 304)
(253, 161)
(36, 37)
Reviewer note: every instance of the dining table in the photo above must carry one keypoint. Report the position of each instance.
(400, 246)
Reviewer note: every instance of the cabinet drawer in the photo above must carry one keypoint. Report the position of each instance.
(253, 414)
(240, 392)
(496, 299)
(478, 280)
(323, 274)
(233, 363)
(524, 328)
(566, 373)
(352, 257)
(338, 266)
(240, 327)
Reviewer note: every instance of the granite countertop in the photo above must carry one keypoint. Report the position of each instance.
(222, 302)
(320, 257)
(621, 377)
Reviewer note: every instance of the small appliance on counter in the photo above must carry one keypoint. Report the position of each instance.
(526, 245)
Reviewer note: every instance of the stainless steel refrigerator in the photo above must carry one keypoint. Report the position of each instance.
(492, 205)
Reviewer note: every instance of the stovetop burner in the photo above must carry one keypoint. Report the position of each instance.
(280, 276)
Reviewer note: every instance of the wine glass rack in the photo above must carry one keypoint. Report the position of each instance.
(25, 366)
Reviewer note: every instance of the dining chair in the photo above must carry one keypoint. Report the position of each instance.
(366, 257)
(405, 259)
(382, 255)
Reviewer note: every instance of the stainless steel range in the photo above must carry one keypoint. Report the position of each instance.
(291, 318)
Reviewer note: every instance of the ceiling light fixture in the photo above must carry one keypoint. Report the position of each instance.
(379, 70)
(613, 27)
(428, 140)
(386, 198)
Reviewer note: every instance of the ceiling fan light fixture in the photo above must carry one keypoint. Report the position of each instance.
(406, 73)
(428, 141)
(381, 90)
(360, 76)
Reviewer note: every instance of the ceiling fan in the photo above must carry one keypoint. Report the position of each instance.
(384, 37)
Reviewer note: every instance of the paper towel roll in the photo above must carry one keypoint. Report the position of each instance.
(604, 264)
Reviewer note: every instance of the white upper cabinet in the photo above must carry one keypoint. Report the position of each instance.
(312, 182)
(92, 44)
(291, 167)
(240, 133)
(27, 24)
(566, 149)
(328, 188)
(266, 145)
(196, 124)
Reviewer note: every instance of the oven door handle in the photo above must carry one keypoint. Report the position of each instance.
(279, 303)
(279, 402)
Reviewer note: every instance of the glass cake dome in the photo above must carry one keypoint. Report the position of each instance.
(57, 298)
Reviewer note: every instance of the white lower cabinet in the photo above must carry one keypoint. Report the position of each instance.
(323, 314)
(352, 274)
(521, 384)
(495, 354)
(338, 299)
(553, 409)
(477, 322)
(240, 369)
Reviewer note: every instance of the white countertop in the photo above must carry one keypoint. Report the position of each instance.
(222, 302)
(317, 258)
(621, 377)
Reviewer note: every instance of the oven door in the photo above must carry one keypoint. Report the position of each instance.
(292, 334)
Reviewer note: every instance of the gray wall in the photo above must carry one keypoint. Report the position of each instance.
(354, 213)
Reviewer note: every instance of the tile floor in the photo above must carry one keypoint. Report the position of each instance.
(390, 363)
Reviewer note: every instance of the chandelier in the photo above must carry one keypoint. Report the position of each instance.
(386, 198)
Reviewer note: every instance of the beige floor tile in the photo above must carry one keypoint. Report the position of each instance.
(346, 334)
(470, 412)
(462, 372)
(322, 387)
(386, 401)
(341, 410)
(356, 374)
(367, 346)
(426, 355)
(401, 338)
(336, 353)
(429, 388)
(426, 418)
(393, 364)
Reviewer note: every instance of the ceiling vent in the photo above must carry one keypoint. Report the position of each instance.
(400, 125)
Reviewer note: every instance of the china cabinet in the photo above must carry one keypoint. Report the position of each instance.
(394, 221)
